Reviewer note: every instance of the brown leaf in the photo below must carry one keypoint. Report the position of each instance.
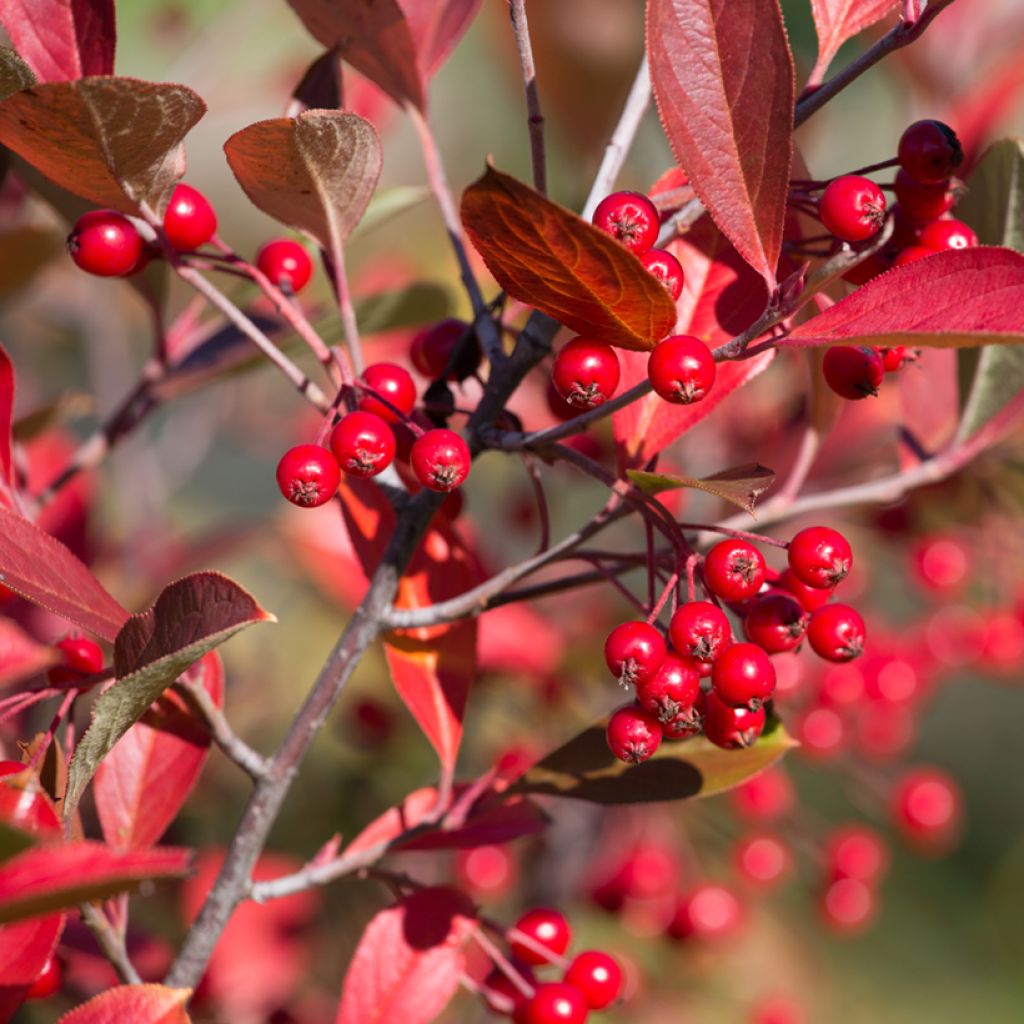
(741, 486)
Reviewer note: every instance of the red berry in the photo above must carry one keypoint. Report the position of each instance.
(762, 859)
(820, 557)
(911, 254)
(286, 264)
(810, 598)
(856, 851)
(672, 691)
(930, 152)
(105, 243)
(586, 373)
(554, 1002)
(363, 444)
(630, 218)
(928, 807)
(80, 654)
(47, 981)
(836, 633)
(895, 358)
(440, 459)
(948, 234)
(681, 369)
(709, 912)
(190, 220)
(776, 622)
(598, 976)
(744, 676)
(497, 982)
(765, 797)
(730, 727)
(634, 652)
(941, 564)
(852, 208)
(392, 382)
(853, 371)
(548, 930)
(700, 630)
(308, 475)
(922, 202)
(821, 733)
(778, 1009)
(11, 768)
(666, 268)
(633, 734)
(432, 349)
(734, 569)
(848, 906)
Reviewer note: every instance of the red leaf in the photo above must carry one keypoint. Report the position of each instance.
(954, 299)
(43, 571)
(20, 656)
(547, 257)
(723, 81)
(48, 878)
(437, 25)
(408, 963)
(62, 39)
(24, 949)
(142, 783)
(839, 20)
(140, 1004)
(7, 478)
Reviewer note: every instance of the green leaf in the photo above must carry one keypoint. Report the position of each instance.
(13, 841)
(390, 203)
(741, 486)
(15, 74)
(190, 617)
(994, 207)
(585, 769)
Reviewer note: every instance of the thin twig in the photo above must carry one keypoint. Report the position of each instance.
(112, 945)
(535, 119)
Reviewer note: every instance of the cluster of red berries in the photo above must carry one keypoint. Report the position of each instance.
(541, 937)
(777, 614)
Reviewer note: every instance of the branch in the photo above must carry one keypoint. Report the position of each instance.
(110, 942)
(535, 119)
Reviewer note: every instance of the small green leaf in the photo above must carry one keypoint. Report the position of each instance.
(585, 769)
(740, 486)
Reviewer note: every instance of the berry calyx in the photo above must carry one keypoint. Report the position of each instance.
(734, 569)
(634, 652)
(597, 975)
(836, 633)
(744, 676)
(308, 475)
(432, 348)
(440, 459)
(732, 728)
(700, 630)
(392, 382)
(105, 243)
(820, 557)
(633, 734)
(547, 936)
(852, 208)
(363, 444)
(940, 235)
(630, 218)
(672, 691)
(666, 268)
(553, 1002)
(190, 220)
(853, 371)
(922, 202)
(776, 622)
(286, 264)
(586, 373)
(681, 369)
(930, 152)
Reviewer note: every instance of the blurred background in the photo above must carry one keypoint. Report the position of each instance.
(938, 575)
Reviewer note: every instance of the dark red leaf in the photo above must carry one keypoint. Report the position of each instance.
(408, 963)
(839, 20)
(437, 25)
(547, 257)
(21, 657)
(723, 80)
(140, 1004)
(62, 39)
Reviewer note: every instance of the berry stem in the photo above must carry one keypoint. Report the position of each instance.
(535, 119)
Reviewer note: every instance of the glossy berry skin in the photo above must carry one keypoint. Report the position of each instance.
(856, 851)
(820, 557)
(308, 475)
(105, 243)
(586, 373)
(363, 444)
(681, 369)
(911, 254)
(700, 630)
(633, 734)
(548, 929)
(922, 202)
(666, 268)
(836, 633)
(734, 569)
(853, 371)
(630, 218)
(190, 220)
(810, 598)
(440, 459)
(597, 975)
(554, 1002)
(432, 348)
(634, 652)
(392, 382)
(940, 235)
(928, 807)
(744, 676)
(852, 208)
(80, 654)
(776, 623)
(672, 691)
(708, 913)
(47, 981)
(930, 152)
(286, 264)
(731, 728)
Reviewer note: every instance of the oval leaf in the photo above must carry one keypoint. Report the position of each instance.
(547, 257)
(190, 617)
(954, 299)
(409, 960)
(741, 486)
(113, 141)
(140, 1004)
(315, 172)
(62, 39)
(43, 571)
(839, 20)
(585, 769)
(723, 80)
